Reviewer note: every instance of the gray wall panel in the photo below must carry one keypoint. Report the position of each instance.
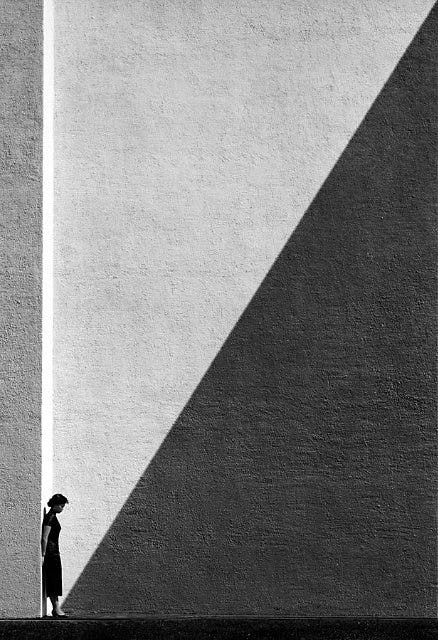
(21, 28)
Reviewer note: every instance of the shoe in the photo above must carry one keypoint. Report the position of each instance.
(55, 614)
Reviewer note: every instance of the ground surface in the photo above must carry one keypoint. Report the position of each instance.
(229, 628)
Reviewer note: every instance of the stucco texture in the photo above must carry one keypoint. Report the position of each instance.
(20, 305)
(244, 368)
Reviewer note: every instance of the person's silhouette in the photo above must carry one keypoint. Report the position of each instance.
(52, 568)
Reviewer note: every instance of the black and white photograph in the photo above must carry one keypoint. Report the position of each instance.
(218, 313)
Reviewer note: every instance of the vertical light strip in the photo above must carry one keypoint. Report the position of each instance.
(47, 285)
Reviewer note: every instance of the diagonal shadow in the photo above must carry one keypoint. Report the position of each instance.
(300, 479)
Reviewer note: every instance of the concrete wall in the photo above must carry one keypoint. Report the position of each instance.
(298, 472)
(20, 305)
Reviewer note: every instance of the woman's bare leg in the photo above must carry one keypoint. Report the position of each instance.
(55, 604)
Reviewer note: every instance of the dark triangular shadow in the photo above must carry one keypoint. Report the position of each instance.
(300, 479)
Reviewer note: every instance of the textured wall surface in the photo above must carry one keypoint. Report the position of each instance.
(20, 304)
(298, 473)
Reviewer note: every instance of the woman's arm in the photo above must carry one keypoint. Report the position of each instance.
(44, 538)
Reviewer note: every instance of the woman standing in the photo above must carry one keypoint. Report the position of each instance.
(52, 569)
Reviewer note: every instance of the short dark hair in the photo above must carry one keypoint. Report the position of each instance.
(57, 498)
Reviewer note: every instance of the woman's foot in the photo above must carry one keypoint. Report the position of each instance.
(58, 613)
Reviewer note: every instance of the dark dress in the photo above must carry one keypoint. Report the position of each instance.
(52, 569)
